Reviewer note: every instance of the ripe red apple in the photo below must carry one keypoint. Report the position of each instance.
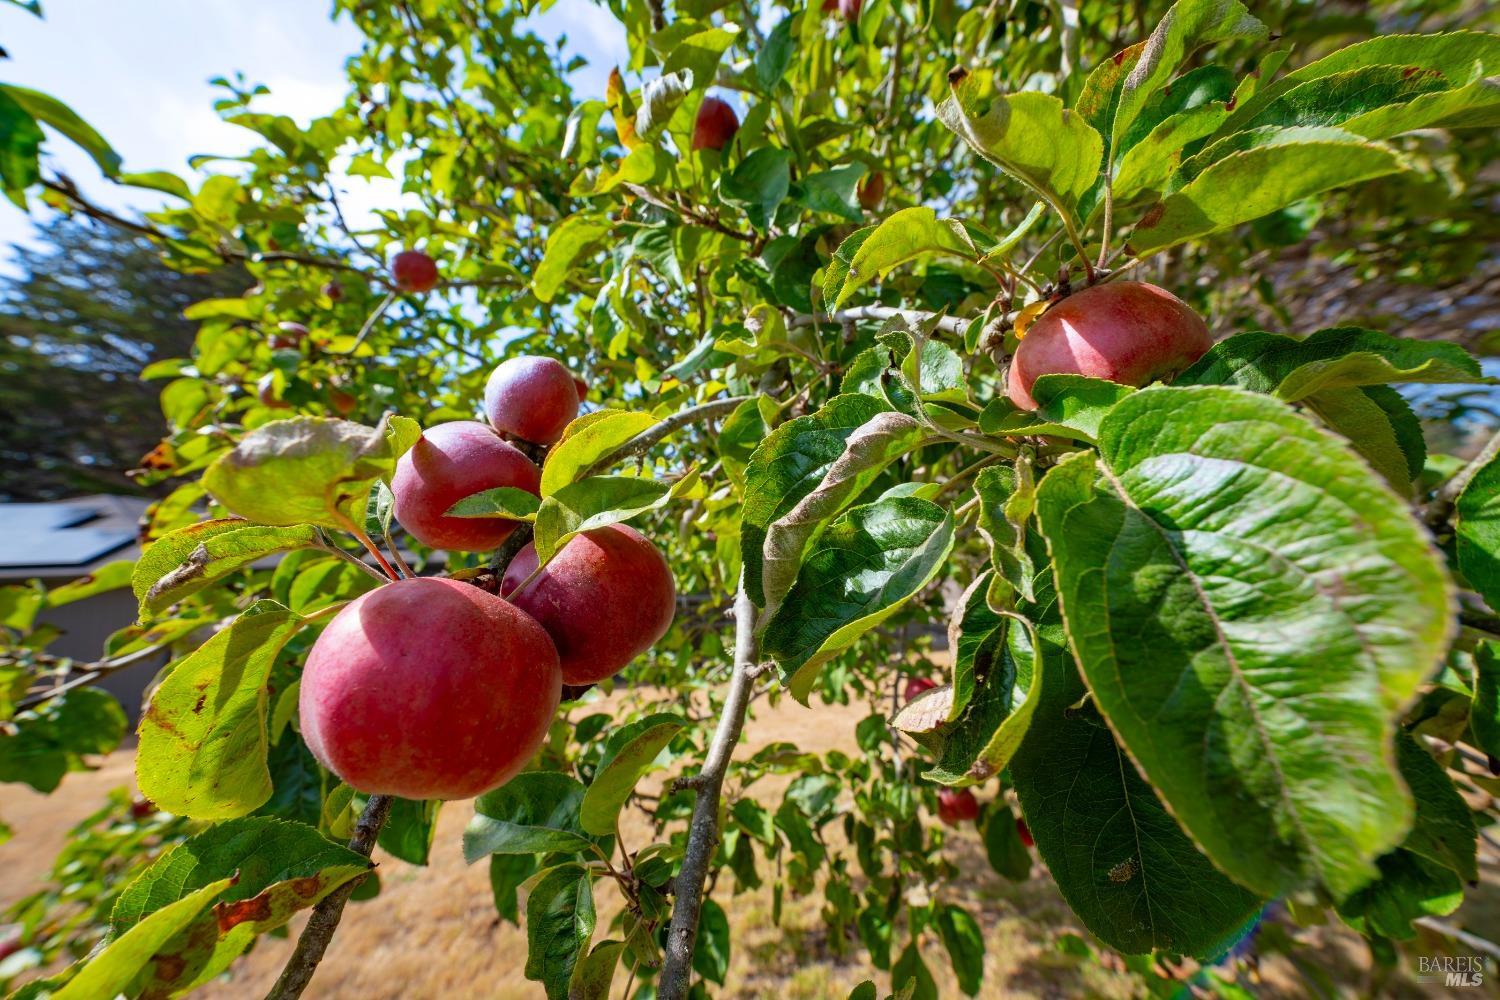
(1126, 331)
(604, 599)
(265, 391)
(716, 124)
(1024, 832)
(413, 271)
(917, 685)
(449, 462)
(871, 191)
(141, 808)
(333, 290)
(956, 805)
(531, 398)
(849, 10)
(428, 688)
(287, 336)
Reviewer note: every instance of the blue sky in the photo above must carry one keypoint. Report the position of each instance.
(139, 71)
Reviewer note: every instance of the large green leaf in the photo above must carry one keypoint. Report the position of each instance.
(307, 470)
(189, 559)
(901, 237)
(598, 502)
(789, 464)
(20, 145)
(565, 244)
(1187, 25)
(1122, 863)
(279, 868)
(1444, 830)
(40, 745)
(1253, 182)
(1477, 532)
(559, 923)
(759, 184)
(112, 971)
(203, 741)
(50, 111)
(859, 572)
(628, 754)
(1033, 137)
(588, 439)
(965, 944)
(1338, 97)
(1252, 610)
(533, 813)
(1291, 368)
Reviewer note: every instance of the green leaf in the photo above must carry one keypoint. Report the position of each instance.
(1187, 26)
(773, 57)
(1484, 717)
(1292, 369)
(409, 830)
(1253, 182)
(1338, 97)
(42, 744)
(594, 975)
(759, 184)
(110, 576)
(1476, 105)
(533, 813)
(628, 755)
(1003, 846)
(700, 54)
(598, 502)
(278, 868)
(190, 559)
(559, 923)
(50, 111)
(837, 271)
(502, 501)
(911, 978)
(711, 947)
(20, 146)
(587, 440)
(203, 740)
(965, 943)
(1273, 684)
(834, 192)
(1033, 137)
(1462, 56)
(860, 571)
(1410, 886)
(565, 244)
(790, 464)
(901, 237)
(1444, 830)
(1076, 402)
(111, 971)
(508, 872)
(1121, 861)
(1007, 497)
(660, 99)
(1477, 532)
(1150, 163)
(307, 470)
(1355, 416)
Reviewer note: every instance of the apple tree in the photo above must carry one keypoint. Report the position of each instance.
(819, 332)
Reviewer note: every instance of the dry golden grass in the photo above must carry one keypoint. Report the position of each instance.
(432, 932)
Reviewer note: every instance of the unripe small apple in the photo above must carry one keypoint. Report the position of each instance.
(265, 391)
(531, 398)
(957, 805)
(872, 191)
(917, 685)
(428, 688)
(715, 125)
(604, 599)
(449, 462)
(414, 271)
(1129, 332)
(1024, 832)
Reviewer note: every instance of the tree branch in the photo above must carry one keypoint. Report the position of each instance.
(326, 915)
(645, 440)
(948, 324)
(1439, 511)
(703, 831)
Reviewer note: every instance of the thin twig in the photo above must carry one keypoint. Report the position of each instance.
(948, 324)
(703, 831)
(326, 915)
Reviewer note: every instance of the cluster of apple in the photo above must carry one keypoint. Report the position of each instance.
(432, 688)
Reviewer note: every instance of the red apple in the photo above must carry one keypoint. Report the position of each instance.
(531, 398)
(604, 599)
(141, 808)
(449, 462)
(333, 290)
(957, 805)
(428, 688)
(849, 10)
(872, 191)
(342, 402)
(1126, 331)
(1024, 832)
(917, 685)
(582, 387)
(287, 336)
(716, 124)
(413, 271)
(265, 391)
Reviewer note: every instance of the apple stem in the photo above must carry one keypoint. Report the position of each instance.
(703, 830)
(374, 550)
(311, 946)
(1109, 216)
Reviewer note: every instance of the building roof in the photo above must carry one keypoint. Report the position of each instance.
(67, 538)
